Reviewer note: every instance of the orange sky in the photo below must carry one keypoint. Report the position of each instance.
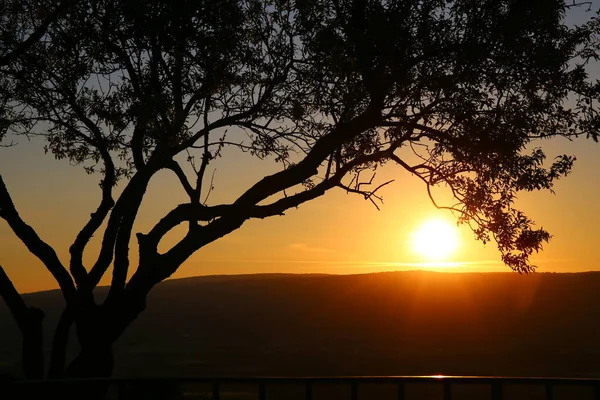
(338, 233)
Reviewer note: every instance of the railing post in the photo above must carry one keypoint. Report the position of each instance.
(549, 392)
(401, 395)
(125, 387)
(262, 391)
(308, 385)
(497, 390)
(354, 390)
(447, 390)
(215, 390)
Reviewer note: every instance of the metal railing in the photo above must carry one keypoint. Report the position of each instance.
(125, 389)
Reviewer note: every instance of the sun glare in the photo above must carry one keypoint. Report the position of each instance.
(435, 240)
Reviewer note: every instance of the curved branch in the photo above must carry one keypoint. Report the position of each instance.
(77, 248)
(206, 157)
(234, 215)
(106, 204)
(121, 264)
(134, 189)
(271, 184)
(176, 168)
(323, 147)
(180, 214)
(43, 251)
(238, 213)
(428, 184)
(11, 297)
(138, 186)
(279, 206)
(29, 320)
(148, 275)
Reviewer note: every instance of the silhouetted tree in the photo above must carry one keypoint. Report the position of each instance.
(455, 92)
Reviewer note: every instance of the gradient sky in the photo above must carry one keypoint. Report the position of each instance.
(337, 233)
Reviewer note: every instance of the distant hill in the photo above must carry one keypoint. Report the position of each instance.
(398, 323)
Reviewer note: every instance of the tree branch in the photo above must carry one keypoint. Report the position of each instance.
(244, 209)
(132, 206)
(35, 245)
(367, 194)
(137, 145)
(279, 206)
(323, 147)
(233, 119)
(176, 168)
(234, 216)
(580, 3)
(159, 267)
(206, 157)
(11, 297)
(37, 34)
(77, 248)
(134, 189)
(29, 320)
(180, 214)
(229, 215)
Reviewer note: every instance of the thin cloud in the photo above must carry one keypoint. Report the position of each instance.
(361, 263)
(304, 247)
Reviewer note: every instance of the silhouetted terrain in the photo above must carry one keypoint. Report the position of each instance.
(376, 324)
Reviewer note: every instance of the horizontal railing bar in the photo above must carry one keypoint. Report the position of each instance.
(323, 379)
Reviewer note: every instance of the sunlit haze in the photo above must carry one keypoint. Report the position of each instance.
(435, 240)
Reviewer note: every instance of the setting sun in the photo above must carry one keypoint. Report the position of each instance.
(435, 240)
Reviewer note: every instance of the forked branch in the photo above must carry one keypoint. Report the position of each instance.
(370, 195)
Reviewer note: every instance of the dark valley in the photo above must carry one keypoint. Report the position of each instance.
(397, 323)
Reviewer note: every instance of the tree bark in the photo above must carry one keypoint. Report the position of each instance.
(90, 363)
(33, 344)
(29, 320)
(59, 345)
(98, 327)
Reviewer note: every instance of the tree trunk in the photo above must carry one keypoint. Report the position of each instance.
(33, 345)
(59, 345)
(98, 327)
(90, 363)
